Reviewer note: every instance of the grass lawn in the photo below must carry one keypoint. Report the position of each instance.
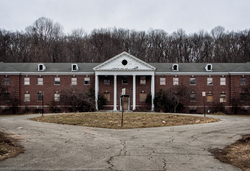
(130, 120)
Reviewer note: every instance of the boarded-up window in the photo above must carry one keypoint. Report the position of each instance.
(107, 96)
(143, 96)
(210, 97)
(162, 81)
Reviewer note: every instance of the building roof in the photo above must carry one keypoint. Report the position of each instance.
(161, 68)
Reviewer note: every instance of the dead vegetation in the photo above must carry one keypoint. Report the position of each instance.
(9, 146)
(131, 120)
(236, 154)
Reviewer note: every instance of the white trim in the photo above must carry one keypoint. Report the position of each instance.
(134, 92)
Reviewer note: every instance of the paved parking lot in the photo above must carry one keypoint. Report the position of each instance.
(178, 148)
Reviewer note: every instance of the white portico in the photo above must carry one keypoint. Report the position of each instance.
(124, 64)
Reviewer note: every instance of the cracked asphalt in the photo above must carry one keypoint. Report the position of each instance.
(176, 148)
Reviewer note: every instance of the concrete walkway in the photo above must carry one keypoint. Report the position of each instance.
(178, 148)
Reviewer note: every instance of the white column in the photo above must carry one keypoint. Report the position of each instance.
(153, 91)
(134, 92)
(96, 91)
(115, 92)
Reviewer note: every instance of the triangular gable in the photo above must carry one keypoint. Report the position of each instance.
(124, 62)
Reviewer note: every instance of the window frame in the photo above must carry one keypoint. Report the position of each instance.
(223, 82)
(223, 96)
(162, 82)
(40, 97)
(243, 81)
(25, 97)
(57, 97)
(211, 96)
(86, 80)
(143, 96)
(26, 81)
(73, 80)
(106, 80)
(6, 80)
(57, 81)
(192, 80)
(192, 99)
(40, 82)
(143, 80)
(176, 81)
(208, 82)
(124, 79)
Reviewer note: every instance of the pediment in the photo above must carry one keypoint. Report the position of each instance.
(124, 62)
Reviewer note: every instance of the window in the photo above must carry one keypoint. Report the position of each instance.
(73, 81)
(26, 81)
(209, 67)
(142, 80)
(243, 97)
(209, 97)
(175, 67)
(175, 81)
(223, 97)
(39, 81)
(124, 80)
(6, 80)
(143, 96)
(27, 97)
(192, 97)
(107, 96)
(87, 81)
(56, 97)
(41, 67)
(57, 80)
(162, 81)
(106, 80)
(6, 97)
(192, 81)
(40, 96)
(74, 67)
(209, 81)
(243, 81)
(223, 81)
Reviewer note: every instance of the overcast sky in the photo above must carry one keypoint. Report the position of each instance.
(169, 15)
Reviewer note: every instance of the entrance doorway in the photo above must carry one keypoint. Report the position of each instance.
(126, 102)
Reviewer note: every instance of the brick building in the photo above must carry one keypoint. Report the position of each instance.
(211, 83)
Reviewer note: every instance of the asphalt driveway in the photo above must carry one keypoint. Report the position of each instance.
(177, 148)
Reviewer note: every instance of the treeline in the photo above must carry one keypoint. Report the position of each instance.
(45, 41)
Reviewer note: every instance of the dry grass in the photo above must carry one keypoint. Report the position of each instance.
(236, 154)
(9, 147)
(131, 120)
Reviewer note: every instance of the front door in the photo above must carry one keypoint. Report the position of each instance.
(125, 103)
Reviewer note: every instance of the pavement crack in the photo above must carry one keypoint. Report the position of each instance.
(164, 164)
(109, 161)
